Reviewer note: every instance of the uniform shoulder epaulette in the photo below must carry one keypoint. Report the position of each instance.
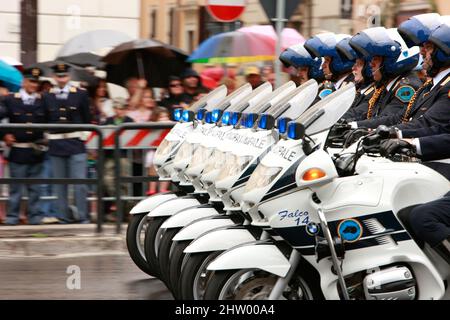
(73, 89)
(17, 95)
(445, 81)
(53, 90)
(38, 95)
(368, 91)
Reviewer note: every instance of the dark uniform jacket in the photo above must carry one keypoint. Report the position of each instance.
(14, 108)
(393, 101)
(74, 109)
(432, 108)
(358, 110)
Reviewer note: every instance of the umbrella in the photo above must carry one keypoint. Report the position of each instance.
(289, 36)
(76, 73)
(10, 76)
(146, 58)
(92, 41)
(84, 59)
(249, 44)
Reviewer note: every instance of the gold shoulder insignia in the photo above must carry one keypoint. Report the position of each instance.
(445, 81)
(38, 95)
(53, 90)
(368, 91)
(73, 89)
(17, 95)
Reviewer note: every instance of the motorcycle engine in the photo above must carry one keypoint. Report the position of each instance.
(394, 282)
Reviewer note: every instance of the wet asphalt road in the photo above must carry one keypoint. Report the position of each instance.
(101, 277)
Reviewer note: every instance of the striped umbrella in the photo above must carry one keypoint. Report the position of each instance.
(248, 44)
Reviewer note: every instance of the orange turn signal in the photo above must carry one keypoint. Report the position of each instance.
(313, 174)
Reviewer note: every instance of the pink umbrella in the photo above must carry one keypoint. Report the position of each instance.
(289, 36)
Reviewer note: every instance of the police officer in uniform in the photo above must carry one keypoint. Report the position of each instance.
(422, 109)
(363, 79)
(307, 67)
(336, 68)
(67, 104)
(27, 148)
(430, 222)
(391, 62)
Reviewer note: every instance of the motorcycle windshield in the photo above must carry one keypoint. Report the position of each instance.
(273, 98)
(327, 112)
(253, 98)
(210, 100)
(300, 100)
(230, 100)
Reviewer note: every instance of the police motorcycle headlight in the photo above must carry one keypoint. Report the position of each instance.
(184, 152)
(165, 147)
(261, 177)
(201, 155)
(215, 162)
(233, 166)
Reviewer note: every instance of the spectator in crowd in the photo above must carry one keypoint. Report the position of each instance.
(271, 79)
(159, 114)
(145, 107)
(101, 104)
(267, 71)
(45, 86)
(253, 76)
(192, 84)
(177, 98)
(135, 88)
(229, 83)
(119, 117)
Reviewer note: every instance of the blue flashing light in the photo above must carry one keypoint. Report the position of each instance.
(177, 113)
(226, 118)
(263, 122)
(208, 117)
(201, 114)
(282, 124)
(250, 120)
(295, 130)
(235, 118)
(185, 116)
(216, 113)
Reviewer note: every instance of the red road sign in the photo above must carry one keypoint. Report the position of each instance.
(225, 10)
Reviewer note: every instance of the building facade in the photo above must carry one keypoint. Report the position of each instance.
(59, 20)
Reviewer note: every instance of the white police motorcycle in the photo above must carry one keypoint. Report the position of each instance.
(351, 242)
(162, 238)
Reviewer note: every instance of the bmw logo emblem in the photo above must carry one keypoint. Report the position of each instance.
(312, 228)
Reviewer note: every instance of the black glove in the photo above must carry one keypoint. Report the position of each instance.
(392, 146)
(386, 132)
(340, 129)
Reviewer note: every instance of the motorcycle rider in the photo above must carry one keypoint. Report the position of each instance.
(364, 83)
(431, 221)
(337, 69)
(421, 109)
(307, 67)
(391, 63)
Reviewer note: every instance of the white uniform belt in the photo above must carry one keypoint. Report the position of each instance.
(23, 145)
(70, 135)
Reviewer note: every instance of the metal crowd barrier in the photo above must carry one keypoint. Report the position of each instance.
(101, 146)
(65, 128)
(117, 155)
